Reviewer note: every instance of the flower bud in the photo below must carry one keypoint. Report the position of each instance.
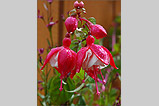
(98, 31)
(66, 42)
(76, 4)
(81, 4)
(89, 40)
(71, 24)
(41, 50)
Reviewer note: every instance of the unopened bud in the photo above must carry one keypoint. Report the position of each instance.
(81, 4)
(76, 4)
(71, 24)
(98, 31)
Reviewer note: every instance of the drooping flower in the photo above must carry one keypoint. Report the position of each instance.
(93, 58)
(71, 24)
(96, 30)
(62, 58)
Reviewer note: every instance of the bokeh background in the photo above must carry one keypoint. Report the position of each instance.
(104, 11)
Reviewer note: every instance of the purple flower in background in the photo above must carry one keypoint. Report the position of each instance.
(49, 1)
(40, 81)
(51, 24)
(39, 16)
(40, 88)
(41, 50)
(62, 16)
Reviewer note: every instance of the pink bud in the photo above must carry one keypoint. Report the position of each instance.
(98, 31)
(66, 42)
(90, 39)
(76, 4)
(71, 24)
(81, 4)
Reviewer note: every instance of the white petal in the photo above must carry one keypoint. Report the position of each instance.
(54, 60)
(91, 59)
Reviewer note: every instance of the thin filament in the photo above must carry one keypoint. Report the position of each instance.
(61, 86)
(102, 77)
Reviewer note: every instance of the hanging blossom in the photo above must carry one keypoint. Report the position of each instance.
(93, 58)
(63, 59)
(96, 30)
(71, 24)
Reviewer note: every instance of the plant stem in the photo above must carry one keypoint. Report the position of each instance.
(51, 37)
(85, 20)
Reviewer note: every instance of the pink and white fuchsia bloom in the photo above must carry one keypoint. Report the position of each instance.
(63, 59)
(93, 58)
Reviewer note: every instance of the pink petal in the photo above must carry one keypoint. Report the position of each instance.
(111, 58)
(101, 54)
(50, 54)
(80, 57)
(65, 62)
(73, 72)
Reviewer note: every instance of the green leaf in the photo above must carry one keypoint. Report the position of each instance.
(48, 42)
(60, 97)
(118, 19)
(96, 41)
(41, 96)
(91, 80)
(92, 19)
(117, 47)
(112, 96)
(81, 101)
(78, 88)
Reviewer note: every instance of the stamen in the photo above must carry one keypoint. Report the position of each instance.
(98, 93)
(61, 85)
(104, 82)
(95, 75)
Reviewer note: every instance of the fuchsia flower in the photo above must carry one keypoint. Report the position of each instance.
(63, 59)
(71, 24)
(96, 30)
(93, 58)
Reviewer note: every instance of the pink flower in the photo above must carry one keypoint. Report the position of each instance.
(62, 58)
(51, 24)
(81, 4)
(78, 5)
(93, 58)
(98, 31)
(71, 24)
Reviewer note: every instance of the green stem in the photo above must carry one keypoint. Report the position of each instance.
(51, 37)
